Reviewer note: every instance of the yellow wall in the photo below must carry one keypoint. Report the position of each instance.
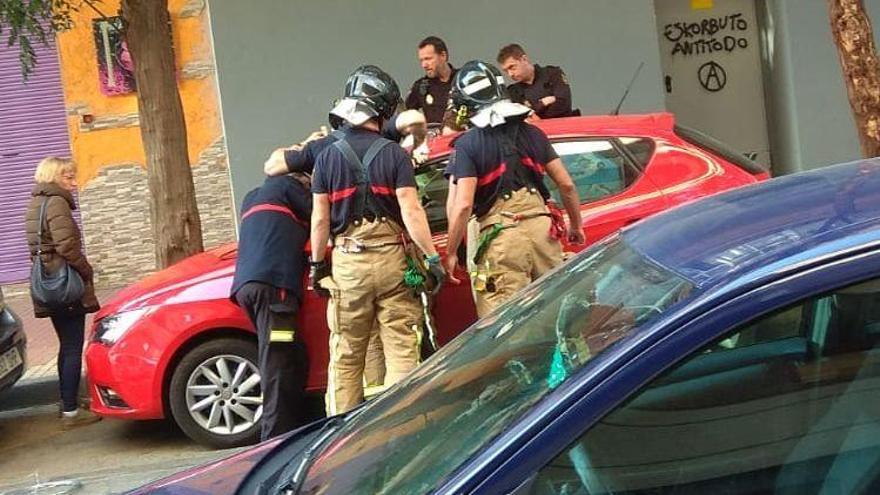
(79, 72)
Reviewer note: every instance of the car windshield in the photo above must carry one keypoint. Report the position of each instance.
(412, 438)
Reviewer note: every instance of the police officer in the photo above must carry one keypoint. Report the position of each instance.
(430, 93)
(499, 167)
(365, 198)
(268, 285)
(543, 89)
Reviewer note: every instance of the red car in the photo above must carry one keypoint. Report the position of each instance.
(174, 345)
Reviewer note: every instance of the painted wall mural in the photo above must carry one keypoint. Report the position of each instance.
(115, 69)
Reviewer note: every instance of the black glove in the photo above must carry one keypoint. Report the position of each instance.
(319, 270)
(435, 269)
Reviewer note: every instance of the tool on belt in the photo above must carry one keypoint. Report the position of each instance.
(416, 279)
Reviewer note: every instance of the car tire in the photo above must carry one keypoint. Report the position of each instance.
(213, 390)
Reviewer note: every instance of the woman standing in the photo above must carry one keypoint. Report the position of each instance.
(61, 243)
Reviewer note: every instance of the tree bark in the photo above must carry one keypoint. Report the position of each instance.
(852, 32)
(177, 228)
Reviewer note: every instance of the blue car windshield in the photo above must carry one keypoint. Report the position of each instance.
(411, 439)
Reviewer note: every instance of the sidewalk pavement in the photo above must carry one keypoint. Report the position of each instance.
(42, 343)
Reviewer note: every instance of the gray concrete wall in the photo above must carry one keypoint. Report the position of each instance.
(280, 63)
(811, 121)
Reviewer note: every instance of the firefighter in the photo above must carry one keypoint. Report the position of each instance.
(499, 167)
(365, 199)
(301, 158)
(268, 285)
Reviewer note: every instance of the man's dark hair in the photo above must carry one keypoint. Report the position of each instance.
(438, 44)
(508, 51)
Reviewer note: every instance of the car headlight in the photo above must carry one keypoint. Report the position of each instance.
(111, 328)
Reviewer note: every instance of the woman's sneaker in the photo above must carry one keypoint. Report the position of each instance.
(78, 417)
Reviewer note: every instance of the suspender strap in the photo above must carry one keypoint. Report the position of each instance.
(352, 158)
(276, 208)
(374, 150)
(516, 175)
(364, 202)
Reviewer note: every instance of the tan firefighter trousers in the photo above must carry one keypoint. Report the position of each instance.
(374, 368)
(522, 251)
(367, 290)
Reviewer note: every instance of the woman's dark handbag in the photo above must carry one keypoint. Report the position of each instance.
(55, 290)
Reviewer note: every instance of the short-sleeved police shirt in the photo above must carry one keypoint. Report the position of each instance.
(480, 153)
(304, 160)
(431, 96)
(334, 176)
(271, 247)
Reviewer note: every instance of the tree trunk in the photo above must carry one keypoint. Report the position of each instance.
(177, 229)
(851, 29)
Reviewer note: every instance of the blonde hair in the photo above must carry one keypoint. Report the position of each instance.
(51, 169)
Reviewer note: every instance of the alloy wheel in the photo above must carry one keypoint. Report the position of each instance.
(223, 394)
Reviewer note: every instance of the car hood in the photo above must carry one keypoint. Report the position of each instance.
(160, 287)
(221, 477)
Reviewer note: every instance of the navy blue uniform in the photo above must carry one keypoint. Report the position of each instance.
(271, 243)
(335, 176)
(304, 160)
(268, 285)
(487, 153)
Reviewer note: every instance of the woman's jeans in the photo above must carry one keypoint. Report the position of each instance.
(70, 329)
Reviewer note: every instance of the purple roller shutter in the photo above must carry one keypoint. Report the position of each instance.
(33, 125)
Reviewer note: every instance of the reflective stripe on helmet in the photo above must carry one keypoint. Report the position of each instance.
(481, 85)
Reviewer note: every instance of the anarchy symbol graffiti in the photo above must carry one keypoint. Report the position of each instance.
(712, 76)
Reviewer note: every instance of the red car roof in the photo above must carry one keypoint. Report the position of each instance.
(592, 124)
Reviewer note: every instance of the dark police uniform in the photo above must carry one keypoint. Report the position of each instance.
(268, 285)
(431, 96)
(368, 262)
(549, 81)
(510, 206)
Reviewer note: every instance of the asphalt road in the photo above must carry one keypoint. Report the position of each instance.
(111, 456)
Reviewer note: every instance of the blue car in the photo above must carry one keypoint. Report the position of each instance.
(729, 346)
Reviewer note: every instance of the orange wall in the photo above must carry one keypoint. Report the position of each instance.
(79, 72)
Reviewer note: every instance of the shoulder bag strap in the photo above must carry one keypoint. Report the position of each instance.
(40, 227)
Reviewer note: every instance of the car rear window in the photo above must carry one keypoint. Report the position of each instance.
(640, 149)
(712, 145)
